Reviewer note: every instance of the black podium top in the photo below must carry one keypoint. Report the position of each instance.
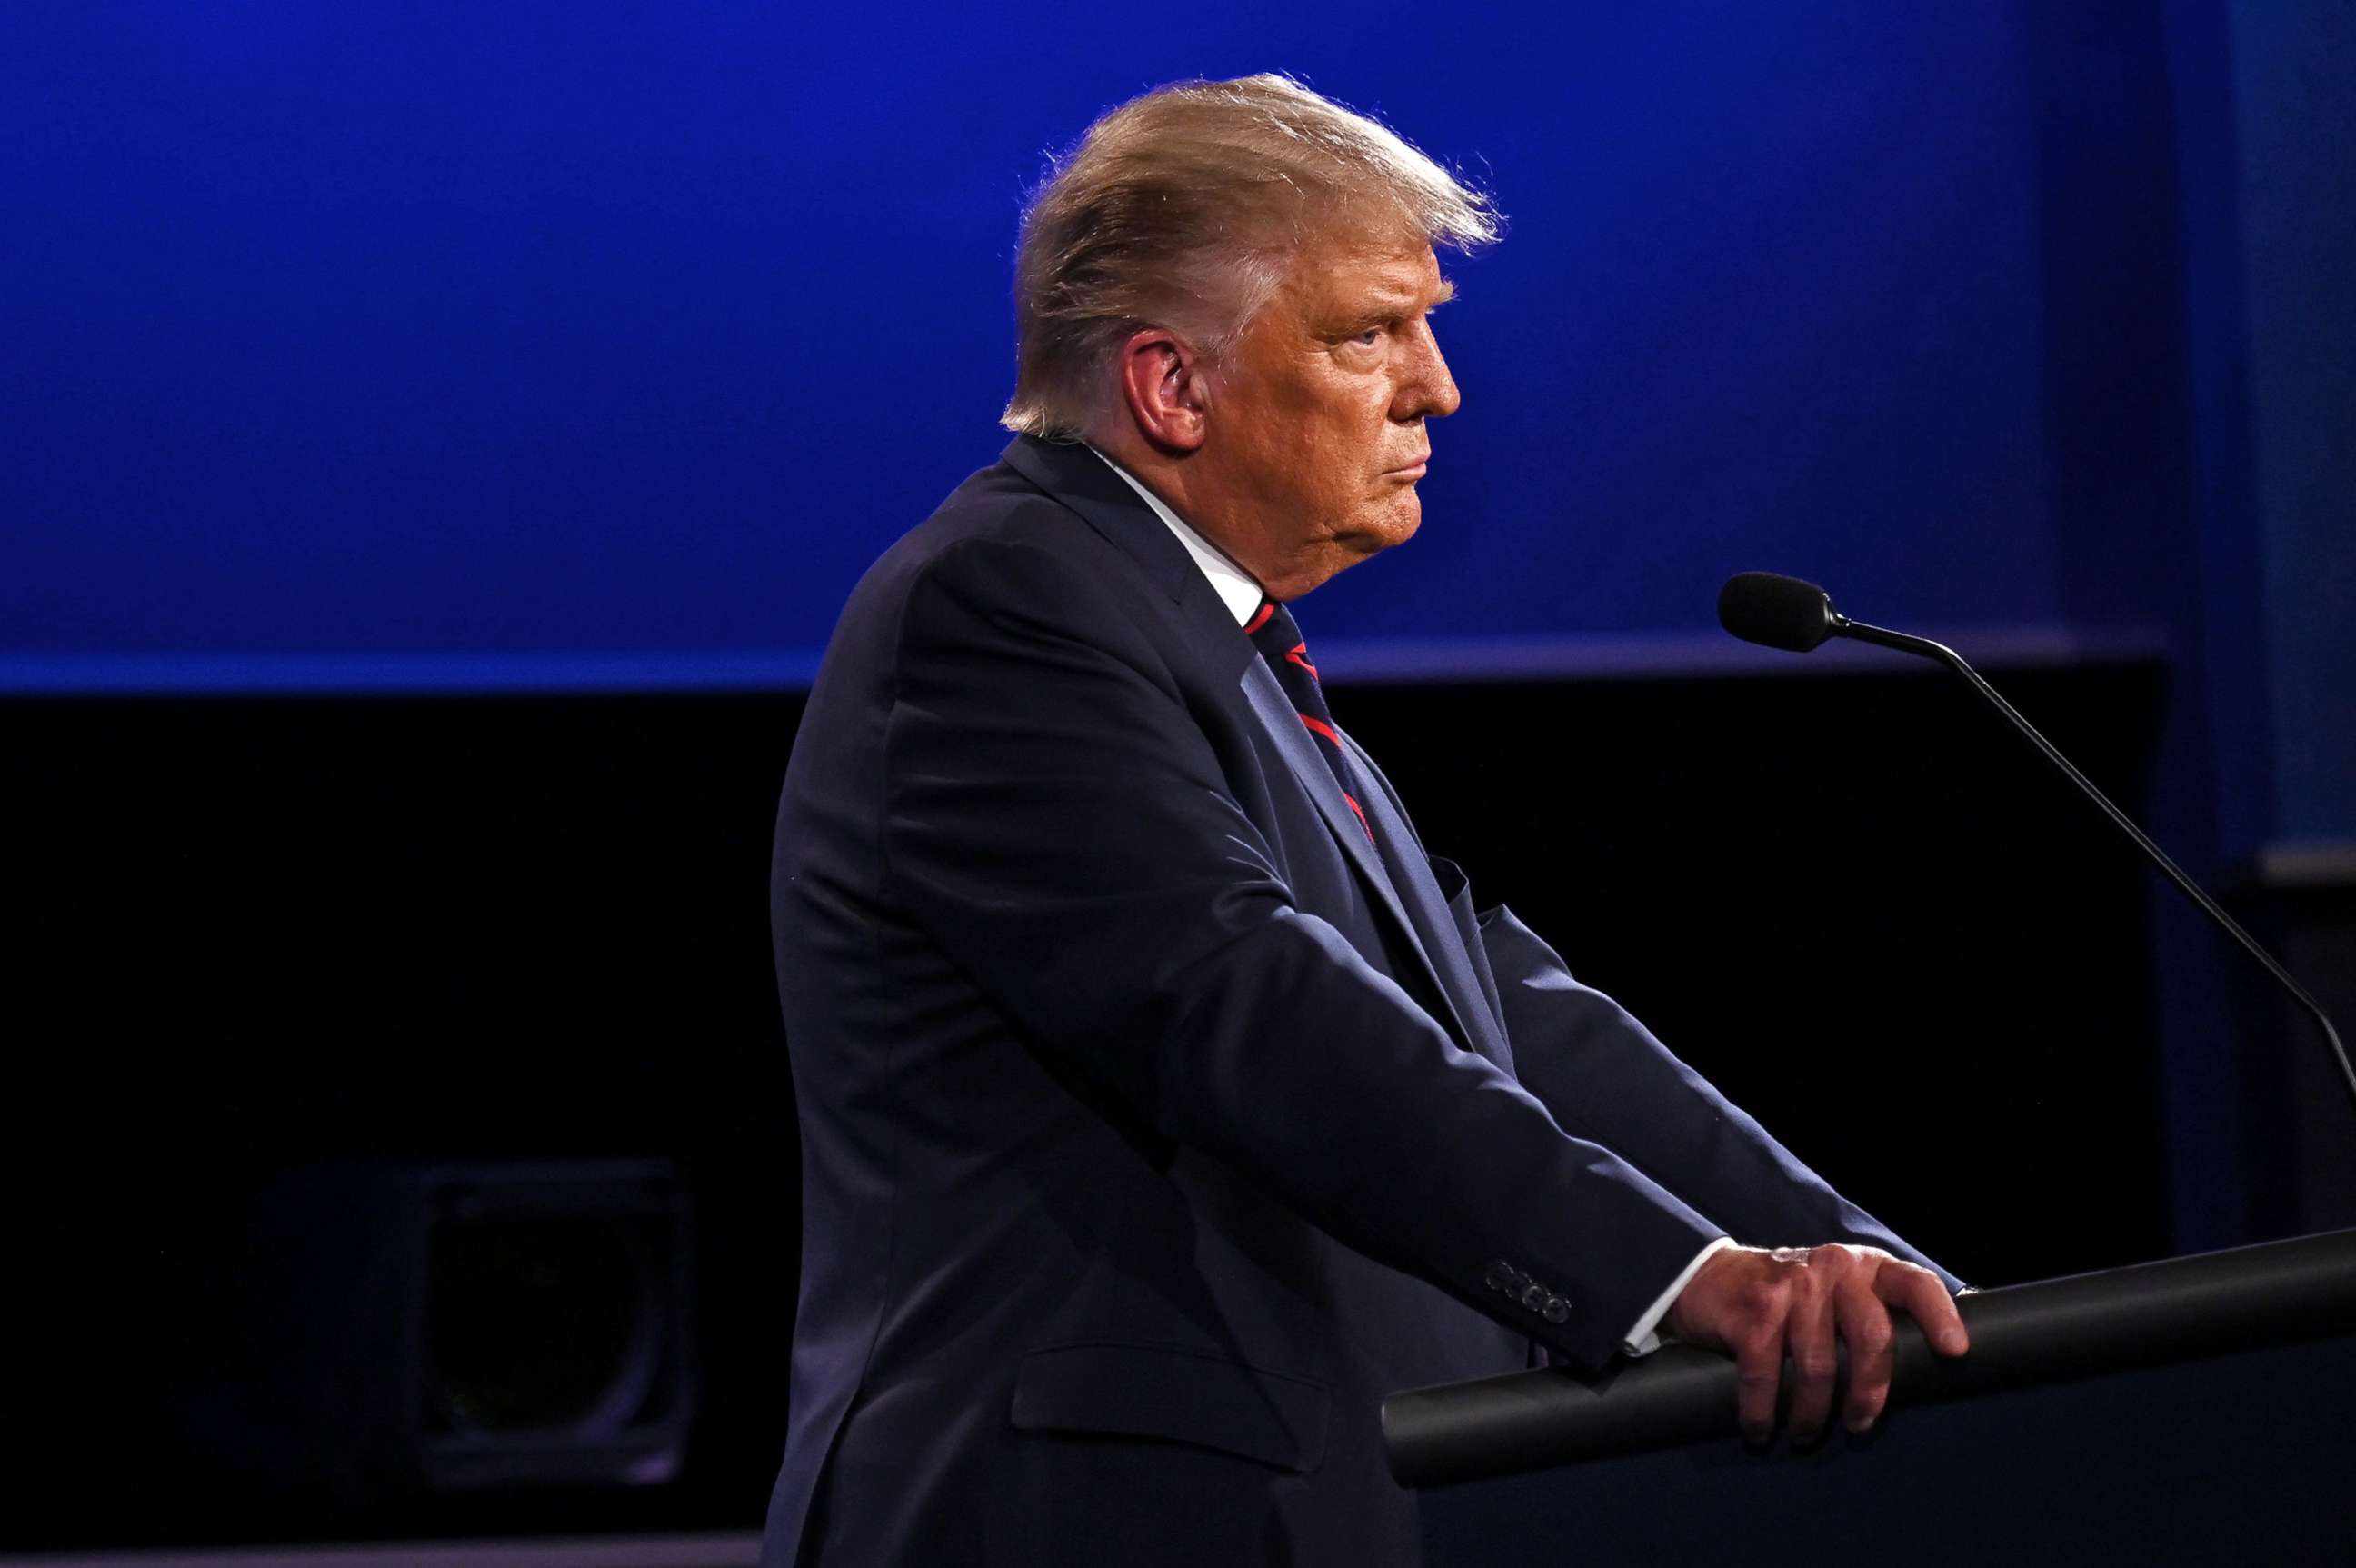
(2053, 1330)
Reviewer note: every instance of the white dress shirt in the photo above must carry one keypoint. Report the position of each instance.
(1242, 593)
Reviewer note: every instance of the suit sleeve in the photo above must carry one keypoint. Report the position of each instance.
(1056, 818)
(1604, 1076)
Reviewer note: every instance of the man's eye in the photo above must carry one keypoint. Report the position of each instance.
(1370, 336)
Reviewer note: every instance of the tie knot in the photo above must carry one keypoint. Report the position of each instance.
(1278, 636)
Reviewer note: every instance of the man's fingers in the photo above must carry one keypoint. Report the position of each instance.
(1758, 1370)
(1758, 1305)
(1926, 1301)
(1815, 1363)
(1865, 1329)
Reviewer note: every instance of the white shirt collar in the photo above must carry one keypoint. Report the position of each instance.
(1236, 588)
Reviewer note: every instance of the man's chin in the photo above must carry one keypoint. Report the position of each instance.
(1366, 534)
(1393, 523)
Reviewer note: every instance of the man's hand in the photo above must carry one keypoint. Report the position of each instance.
(1756, 1304)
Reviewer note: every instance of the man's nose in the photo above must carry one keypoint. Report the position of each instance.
(1428, 391)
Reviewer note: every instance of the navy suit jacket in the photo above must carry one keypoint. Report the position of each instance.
(1155, 1123)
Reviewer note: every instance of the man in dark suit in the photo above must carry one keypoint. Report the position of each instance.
(1164, 1103)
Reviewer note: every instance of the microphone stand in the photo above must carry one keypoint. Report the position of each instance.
(1924, 647)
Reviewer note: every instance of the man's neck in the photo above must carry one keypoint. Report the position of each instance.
(1238, 589)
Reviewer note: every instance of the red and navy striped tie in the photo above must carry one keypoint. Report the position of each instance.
(1272, 631)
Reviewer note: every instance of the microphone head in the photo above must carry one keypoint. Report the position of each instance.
(1775, 611)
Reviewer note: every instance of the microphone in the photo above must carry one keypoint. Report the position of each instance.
(1775, 611)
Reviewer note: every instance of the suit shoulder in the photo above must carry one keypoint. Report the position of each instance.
(996, 546)
(999, 532)
(1000, 506)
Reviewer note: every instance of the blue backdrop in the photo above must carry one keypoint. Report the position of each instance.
(638, 328)
(435, 344)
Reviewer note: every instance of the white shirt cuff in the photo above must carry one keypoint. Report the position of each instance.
(1646, 1336)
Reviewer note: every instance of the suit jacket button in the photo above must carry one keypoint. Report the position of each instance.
(1555, 1309)
(1501, 1276)
(1533, 1296)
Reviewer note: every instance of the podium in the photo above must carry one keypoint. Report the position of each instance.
(2198, 1409)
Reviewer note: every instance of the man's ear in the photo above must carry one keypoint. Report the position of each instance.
(1161, 381)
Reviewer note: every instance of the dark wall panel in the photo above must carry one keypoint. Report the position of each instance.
(265, 934)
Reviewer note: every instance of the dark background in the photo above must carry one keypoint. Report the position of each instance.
(279, 933)
(434, 441)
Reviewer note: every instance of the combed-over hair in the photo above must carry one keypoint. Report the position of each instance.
(1182, 209)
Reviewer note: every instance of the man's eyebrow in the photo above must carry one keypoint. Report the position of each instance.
(1390, 307)
(1406, 297)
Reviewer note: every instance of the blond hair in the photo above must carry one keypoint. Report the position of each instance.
(1183, 209)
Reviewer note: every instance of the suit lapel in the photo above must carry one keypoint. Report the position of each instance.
(1274, 711)
(1427, 912)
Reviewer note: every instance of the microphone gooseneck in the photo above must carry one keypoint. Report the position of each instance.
(1798, 617)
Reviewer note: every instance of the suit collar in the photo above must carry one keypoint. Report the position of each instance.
(1087, 484)
(1236, 588)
